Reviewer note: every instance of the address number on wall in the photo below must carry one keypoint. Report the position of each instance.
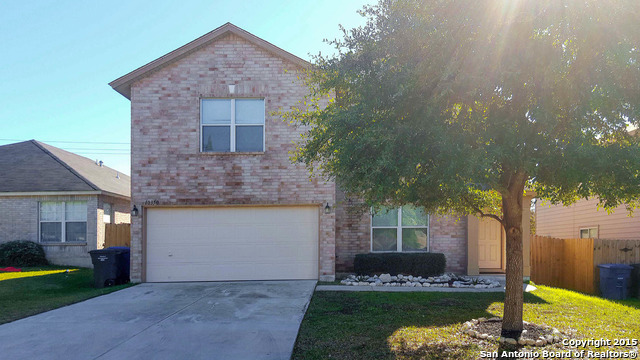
(152, 202)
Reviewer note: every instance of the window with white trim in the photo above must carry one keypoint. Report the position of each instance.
(403, 229)
(232, 125)
(589, 233)
(63, 221)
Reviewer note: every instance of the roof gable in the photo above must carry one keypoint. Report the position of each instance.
(32, 166)
(123, 83)
(102, 177)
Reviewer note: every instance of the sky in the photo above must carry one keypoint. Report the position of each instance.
(57, 58)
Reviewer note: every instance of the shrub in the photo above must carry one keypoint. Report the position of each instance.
(22, 253)
(418, 264)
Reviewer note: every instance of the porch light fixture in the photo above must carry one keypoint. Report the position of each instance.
(134, 211)
(232, 88)
(327, 209)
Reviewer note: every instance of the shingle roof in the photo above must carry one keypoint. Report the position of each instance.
(32, 166)
(123, 83)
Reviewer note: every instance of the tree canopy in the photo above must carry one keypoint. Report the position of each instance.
(441, 103)
(461, 105)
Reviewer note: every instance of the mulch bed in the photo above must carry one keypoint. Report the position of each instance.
(494, 327)
(532, 334)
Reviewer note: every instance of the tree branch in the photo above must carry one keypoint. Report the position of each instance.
(492, 216)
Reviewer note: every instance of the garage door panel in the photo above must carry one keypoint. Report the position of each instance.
(223, 252)
(234, 271)
(232, 243)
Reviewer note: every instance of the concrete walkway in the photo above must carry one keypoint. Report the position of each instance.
(218, 320)
(404, 289)
(525, 288)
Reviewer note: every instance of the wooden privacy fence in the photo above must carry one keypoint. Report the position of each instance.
(117, 235)
(572, 263)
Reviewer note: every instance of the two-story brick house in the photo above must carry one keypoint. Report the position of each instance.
(219, 196)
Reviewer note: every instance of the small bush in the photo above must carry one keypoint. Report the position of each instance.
(418, 264)
(22, 253)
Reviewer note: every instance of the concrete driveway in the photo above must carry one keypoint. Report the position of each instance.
(220, 320)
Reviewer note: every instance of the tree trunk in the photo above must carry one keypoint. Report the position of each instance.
(512, 220)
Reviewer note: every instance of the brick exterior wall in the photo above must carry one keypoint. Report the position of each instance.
(168, 166)
(447, 234)
(18, 218)
(353, 232)
(19, 221)
(121, 211)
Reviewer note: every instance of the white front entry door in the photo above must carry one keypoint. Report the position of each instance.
(489, 244)
(232, 243)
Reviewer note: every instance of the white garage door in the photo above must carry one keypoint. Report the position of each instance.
(232, 243)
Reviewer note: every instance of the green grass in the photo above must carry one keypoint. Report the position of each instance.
(336, 282)
(39, 289)
(425, 325)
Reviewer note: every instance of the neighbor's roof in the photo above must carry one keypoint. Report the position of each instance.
(123, 83)
(32, 166)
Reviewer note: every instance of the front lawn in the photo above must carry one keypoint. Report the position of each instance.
(425, 325)
(39, 289)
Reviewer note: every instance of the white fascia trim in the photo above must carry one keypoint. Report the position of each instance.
(50, 193)
(107, 193)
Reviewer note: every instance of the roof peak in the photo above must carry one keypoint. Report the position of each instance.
(123, 83)
(43, 147)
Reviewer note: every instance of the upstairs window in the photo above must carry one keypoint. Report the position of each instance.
(232, 125)
(400, 229)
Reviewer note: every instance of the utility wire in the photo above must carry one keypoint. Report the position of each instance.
(73, 142)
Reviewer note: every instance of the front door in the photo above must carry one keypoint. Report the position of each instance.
(489, 244)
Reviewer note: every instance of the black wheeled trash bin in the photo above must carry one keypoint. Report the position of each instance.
(614, 281)
(124, 256)
(106, 266)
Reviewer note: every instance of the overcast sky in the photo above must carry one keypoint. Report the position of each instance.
(58, 57)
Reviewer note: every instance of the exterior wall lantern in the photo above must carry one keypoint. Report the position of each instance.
(327, 209)
(134, 211)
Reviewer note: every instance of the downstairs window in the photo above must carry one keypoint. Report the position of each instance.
(402, 229)
(63, 221)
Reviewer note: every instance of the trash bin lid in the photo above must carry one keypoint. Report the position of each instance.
(615, 266)
(119, 247)
(103, 251)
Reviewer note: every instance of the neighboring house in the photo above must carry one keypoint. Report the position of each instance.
(584, 220)
(219, 198)
(60, 200)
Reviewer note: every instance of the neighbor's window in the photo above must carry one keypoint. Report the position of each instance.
(401, 229)
(232, 125)
(107, 208)
(589, 233)
(63, 221)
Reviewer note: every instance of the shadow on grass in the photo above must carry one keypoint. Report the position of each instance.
(631, 302)
(437, 351)
(419, 325)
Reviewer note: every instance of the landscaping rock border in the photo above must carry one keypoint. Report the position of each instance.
(555, 335)
(445, 280)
